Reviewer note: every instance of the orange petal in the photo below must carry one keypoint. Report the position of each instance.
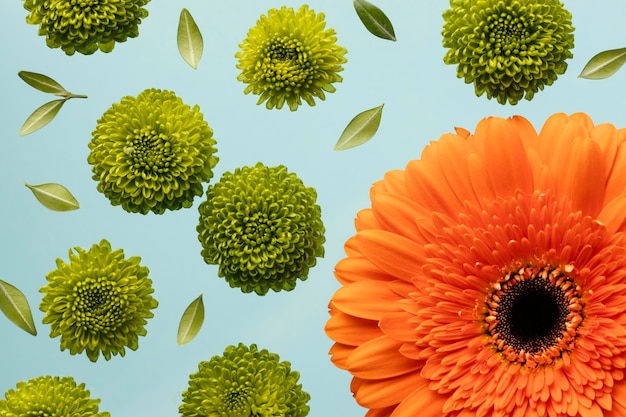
(422, 402)
(428, 187)
(394, 254)
(397, 214)
(505, 157)
(351, 330)
(358, 268)
(379, 359)
(366, 299)
(387, 392)
(616, 181)
(613, 214)
(399, 326)
(584, 177)
(339, 354)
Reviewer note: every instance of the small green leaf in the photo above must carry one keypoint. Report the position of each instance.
(191, 321)
(374, 20)
(190, 42)
(54, 196)
(42, 82)
(604, 64)
(360, 129)
(42, 116)
(15, 306)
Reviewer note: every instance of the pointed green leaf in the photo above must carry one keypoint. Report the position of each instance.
(360, 129)
(374, 20)
(15, 306)
(190, 42)
(54, 196)
(191, 321)
(41, 117)
(42, 82)
(604, 64)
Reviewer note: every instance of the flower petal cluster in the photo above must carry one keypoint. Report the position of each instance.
(152, 153)
(262, 227)
(289, 56)
(509, 49)
(50, 396)
(85, 26)
(245, 382)
(488, 278)
(98, 302)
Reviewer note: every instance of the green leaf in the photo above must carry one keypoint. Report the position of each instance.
(604, 64)
(42, 82)
(360, 129)
(54, 196)
(42, 116)
(15, 306)
(189, 39)
(191, 321)
(374, 20)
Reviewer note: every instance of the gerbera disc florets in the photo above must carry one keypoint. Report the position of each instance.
(152, 153)
(99, 302)
(50, 396)
(262, 227)
(245, 382)
(509, 49)
(533, 313)
(289, 56)
(85, 26)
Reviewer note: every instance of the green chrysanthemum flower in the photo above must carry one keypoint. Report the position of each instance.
(51, 397)
(99, 302)
(245, 382)
(262, 227)
(289, 56)
(152, 153)
(509, 49)
(85, 26)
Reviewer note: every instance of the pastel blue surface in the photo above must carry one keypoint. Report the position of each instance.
(423, 99)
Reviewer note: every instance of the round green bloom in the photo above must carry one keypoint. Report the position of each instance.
(263, 228)
(50, 397)
(288, 56)
(509, 49)
(245, 382)
(86, 25)
(152, 153)
(99, 302)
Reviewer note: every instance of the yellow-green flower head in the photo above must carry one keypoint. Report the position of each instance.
(98, 302)
(245, 382)
(47, 396)
(262, 227)
(289, 57)
(85, 26)
(509, 49)
(152, 153)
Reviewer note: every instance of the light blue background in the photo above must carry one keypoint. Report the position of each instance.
(423, 99)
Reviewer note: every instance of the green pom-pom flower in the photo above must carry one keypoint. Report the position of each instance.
(245, 382)
(262, 227)
(509, 49)
(99, 302)
(152, 153)
(85, 26)
(289, 56)
(50, 396)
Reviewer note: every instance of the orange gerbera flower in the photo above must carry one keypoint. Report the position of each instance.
(489, 277)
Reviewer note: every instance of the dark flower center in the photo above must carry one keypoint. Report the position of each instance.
(533, 314)
(150, 151)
